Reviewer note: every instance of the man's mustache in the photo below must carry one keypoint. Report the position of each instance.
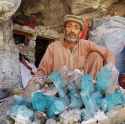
(71, 34)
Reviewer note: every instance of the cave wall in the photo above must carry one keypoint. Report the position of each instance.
(9, 63)
(50, 13)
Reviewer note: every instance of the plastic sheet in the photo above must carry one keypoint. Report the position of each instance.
(90, 97)
(120, 61)
(60, 85)
(104, 80)
(56, 107)
(49, 104)
(90, 106)
(70, 117)
(51, 121)
(22, 113)
(22, 100)
(110, 32)
(112, 101)
(87, 86)
(58, 82)
(74, 95)
(98, 98)
(39, 101)
(99, 117)
(70, 75)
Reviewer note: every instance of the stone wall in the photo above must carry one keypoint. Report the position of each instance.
(51, 12)
(87, 6)
(9, 63)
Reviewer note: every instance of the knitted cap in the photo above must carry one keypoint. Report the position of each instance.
(74, 18)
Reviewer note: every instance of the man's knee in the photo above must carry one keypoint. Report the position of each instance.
(94, 63)
(95, 56)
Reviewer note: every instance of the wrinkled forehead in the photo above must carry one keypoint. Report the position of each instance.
(72, 24)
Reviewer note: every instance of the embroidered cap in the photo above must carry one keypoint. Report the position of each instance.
(74, 18)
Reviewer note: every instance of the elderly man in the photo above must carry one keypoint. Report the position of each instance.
(73, 52)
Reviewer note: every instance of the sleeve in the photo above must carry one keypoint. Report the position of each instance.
(46, 64)
(104, 52)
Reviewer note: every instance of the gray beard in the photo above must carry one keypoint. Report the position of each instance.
(70, 39)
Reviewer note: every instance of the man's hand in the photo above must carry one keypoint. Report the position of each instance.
(34, 84)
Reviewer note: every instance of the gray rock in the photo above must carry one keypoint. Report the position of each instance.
(5, 104)
(9, 64)
(51, 121)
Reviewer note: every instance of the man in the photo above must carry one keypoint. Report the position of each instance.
(73, 52)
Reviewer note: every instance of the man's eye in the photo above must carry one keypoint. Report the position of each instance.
(75, 27)
(68, 26)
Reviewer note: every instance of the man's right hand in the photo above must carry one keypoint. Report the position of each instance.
(34, 84)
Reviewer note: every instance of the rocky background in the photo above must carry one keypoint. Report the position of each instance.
(49, 16)
(9, 64)
(50, 13)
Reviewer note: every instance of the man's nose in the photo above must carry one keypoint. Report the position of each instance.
(72, 30)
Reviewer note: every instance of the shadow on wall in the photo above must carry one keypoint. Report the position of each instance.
(41, 46)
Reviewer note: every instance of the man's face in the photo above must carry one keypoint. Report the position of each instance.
(71, 32)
